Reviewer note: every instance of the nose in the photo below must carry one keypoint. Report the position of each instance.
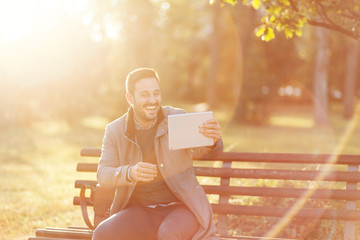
(152, 99)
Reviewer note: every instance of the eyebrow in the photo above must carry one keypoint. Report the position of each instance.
(147, 91)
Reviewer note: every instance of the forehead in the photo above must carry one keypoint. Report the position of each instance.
(147, 84)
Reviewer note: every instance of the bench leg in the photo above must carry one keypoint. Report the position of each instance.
(222, 218)
(349, 229)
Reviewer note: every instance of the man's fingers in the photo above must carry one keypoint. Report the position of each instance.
(210, 124)
(211, 129)
(147, 165)
(145, 176)
(147, 170)
(143, 171)
(213, 136)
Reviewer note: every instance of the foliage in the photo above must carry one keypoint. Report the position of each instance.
(290, 16)
(69, 78)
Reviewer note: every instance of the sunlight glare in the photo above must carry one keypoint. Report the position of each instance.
(88, 18)
(284, 221)
(287, 121)
(16, 19)
(36, 36)
(22, 18)
(96, 34)
(165, 6)
(112, 27)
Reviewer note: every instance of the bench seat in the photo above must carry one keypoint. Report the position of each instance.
(284, 186)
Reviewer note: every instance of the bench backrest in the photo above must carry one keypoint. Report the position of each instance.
(273, 185)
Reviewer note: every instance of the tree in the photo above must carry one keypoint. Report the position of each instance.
(290, 16)
(214, 53)
(350, 78)
(321, 78)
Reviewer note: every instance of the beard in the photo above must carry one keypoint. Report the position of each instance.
(146, 113)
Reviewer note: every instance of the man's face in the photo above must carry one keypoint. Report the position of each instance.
(146, 100)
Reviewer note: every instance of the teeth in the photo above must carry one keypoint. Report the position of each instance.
(151, 108)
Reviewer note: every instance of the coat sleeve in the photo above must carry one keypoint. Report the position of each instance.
(110, 173)
(203, 151)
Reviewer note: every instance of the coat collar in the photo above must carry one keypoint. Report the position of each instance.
(130, 127)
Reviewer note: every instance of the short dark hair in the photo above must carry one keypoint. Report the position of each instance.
(138, 74)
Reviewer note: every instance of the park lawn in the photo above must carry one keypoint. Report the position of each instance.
(38, 164)
(37, 177)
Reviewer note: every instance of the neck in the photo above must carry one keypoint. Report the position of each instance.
(143, 124)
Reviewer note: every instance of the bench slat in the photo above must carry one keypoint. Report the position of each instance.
(252, 238)
(49, 238)
(90, 152)
(277, 174)
(311, 213)
(69, 229)
(86, 167)
(300, 158)
(283, 192)
(222, 238)
(267, 191)
(80, 183)
(64, 233)
(258, 173)
(76, 201)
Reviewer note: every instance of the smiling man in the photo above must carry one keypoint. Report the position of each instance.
(157, 193)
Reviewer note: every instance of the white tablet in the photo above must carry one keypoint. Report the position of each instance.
(184, 130)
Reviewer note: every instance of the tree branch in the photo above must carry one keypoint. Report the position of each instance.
(354, 14)
(335, 28)
(324, 14)
(331, 24)
(293, 5)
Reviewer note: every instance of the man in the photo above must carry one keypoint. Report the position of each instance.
(157, 193)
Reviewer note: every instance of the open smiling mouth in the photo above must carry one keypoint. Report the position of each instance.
(151, 108)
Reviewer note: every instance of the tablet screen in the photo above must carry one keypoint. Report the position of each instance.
(184, 130)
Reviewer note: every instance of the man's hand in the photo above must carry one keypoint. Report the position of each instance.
(143, 172)
(211, 129)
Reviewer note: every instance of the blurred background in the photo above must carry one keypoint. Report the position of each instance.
(280, 77)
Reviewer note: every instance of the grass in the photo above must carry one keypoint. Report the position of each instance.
(294, 131)
(37, 176)
(38, 164)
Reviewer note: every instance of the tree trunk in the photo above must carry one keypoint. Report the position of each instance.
(350, 78)
(214, 54)
(321, 78)
(244, 34)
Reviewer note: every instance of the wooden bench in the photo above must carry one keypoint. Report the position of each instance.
(285, 193)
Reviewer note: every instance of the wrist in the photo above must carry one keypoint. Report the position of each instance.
(128, 174)
(215, 143)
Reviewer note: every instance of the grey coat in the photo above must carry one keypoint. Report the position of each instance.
(119, 151)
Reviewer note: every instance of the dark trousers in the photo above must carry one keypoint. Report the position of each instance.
(174, 222)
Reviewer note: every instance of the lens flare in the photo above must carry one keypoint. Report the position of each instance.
(300, 202)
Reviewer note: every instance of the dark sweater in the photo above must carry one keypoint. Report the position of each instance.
(156, 191)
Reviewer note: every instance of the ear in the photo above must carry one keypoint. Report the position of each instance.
(129, 98)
